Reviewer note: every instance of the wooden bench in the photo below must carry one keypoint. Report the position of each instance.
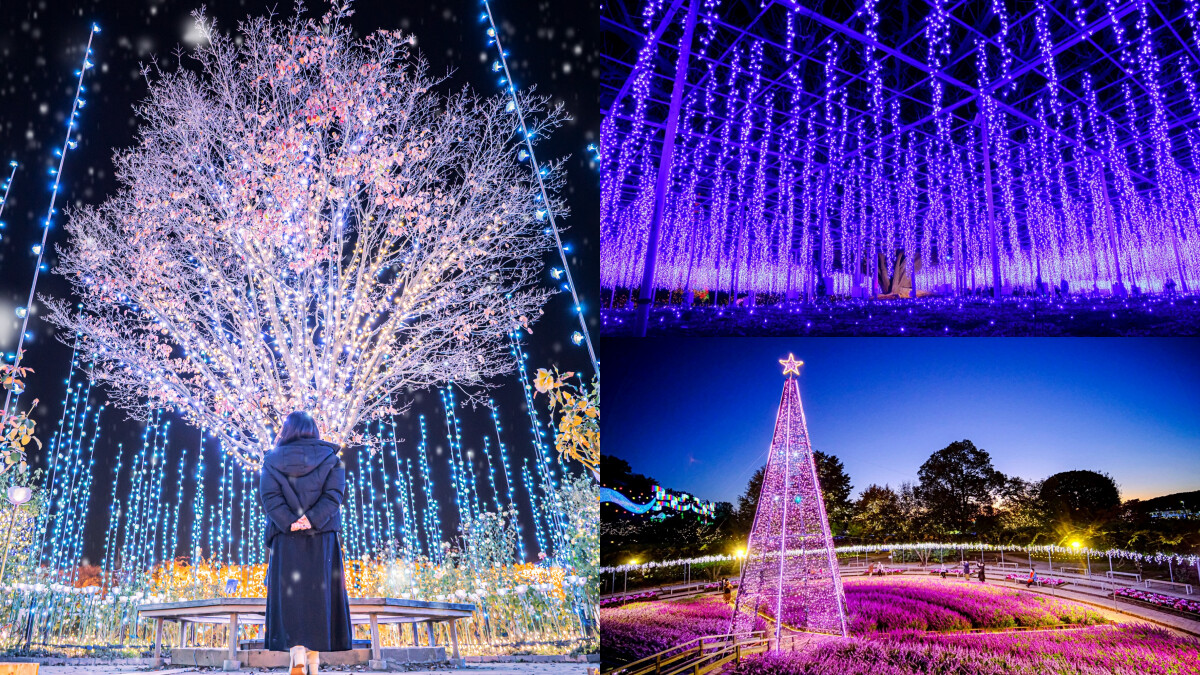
(1187, 588)
(237, 611)
(1073, 570)
(1112, 575)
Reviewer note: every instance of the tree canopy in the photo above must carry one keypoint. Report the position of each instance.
(308, 221)
(1080, 496)
(958, 485)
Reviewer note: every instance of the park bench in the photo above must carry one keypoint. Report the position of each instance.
(1073, 570)
(243, 611)
(1007, 565)
(856, 564)
(1113, 575)
(1187, 588)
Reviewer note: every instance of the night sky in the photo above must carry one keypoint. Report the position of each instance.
(697, 414)
(41, 44)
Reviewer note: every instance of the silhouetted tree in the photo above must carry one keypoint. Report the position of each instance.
(1020, 518)
(877, 513)
(958, 484)
(835, 487)
(1080, 496)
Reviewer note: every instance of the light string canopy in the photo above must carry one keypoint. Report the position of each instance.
(545, 208)
(39, 249)
(953, 148)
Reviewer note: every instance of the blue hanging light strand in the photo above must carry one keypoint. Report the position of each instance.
(114, 521)
(494, 35)
(7, 186)
(68, 144)
(198, 504)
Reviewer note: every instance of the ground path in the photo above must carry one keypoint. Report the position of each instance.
(1123, 613)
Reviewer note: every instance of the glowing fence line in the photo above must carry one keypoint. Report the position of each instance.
(1156, 558)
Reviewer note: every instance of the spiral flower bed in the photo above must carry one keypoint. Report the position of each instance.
(884, 606)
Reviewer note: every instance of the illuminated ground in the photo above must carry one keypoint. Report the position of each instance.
(1027, 316)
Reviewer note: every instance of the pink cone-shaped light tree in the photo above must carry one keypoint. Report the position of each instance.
(790, 572)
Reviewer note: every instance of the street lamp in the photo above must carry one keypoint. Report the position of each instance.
(625, 590)
(741, 555)
(16, 495)
(1087, 556)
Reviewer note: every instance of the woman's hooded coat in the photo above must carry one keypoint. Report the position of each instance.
(303, 478)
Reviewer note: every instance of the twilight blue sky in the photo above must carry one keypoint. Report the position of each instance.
(697, 413)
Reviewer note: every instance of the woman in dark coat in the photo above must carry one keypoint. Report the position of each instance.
(301, 488)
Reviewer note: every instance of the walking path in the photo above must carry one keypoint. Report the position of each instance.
(1102, 601)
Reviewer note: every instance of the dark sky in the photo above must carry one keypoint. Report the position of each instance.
(41, 44)
(697, 414)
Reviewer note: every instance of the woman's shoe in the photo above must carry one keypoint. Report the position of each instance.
(298, 661)
(314, 663)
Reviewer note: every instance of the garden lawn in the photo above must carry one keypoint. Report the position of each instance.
(1096, 650)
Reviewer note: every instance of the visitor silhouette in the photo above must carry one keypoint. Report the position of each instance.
(301, 488)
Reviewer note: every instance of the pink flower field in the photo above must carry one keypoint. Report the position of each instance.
(1160, 600)
(643, 628)
(1096, 650)
(888, 605)
(878, 608)
(895, 624)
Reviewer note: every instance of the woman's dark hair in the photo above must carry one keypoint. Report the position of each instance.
(297, 425)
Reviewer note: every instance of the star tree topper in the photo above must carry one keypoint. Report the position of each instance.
(790, 365)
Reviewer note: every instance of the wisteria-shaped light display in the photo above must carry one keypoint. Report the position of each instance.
(361, 237)
(790, 572)
(1026, 175)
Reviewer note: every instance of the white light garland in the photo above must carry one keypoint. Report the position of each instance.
(1156, 558)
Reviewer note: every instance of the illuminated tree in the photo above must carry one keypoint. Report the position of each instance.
(835, 490)
(306, 222)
